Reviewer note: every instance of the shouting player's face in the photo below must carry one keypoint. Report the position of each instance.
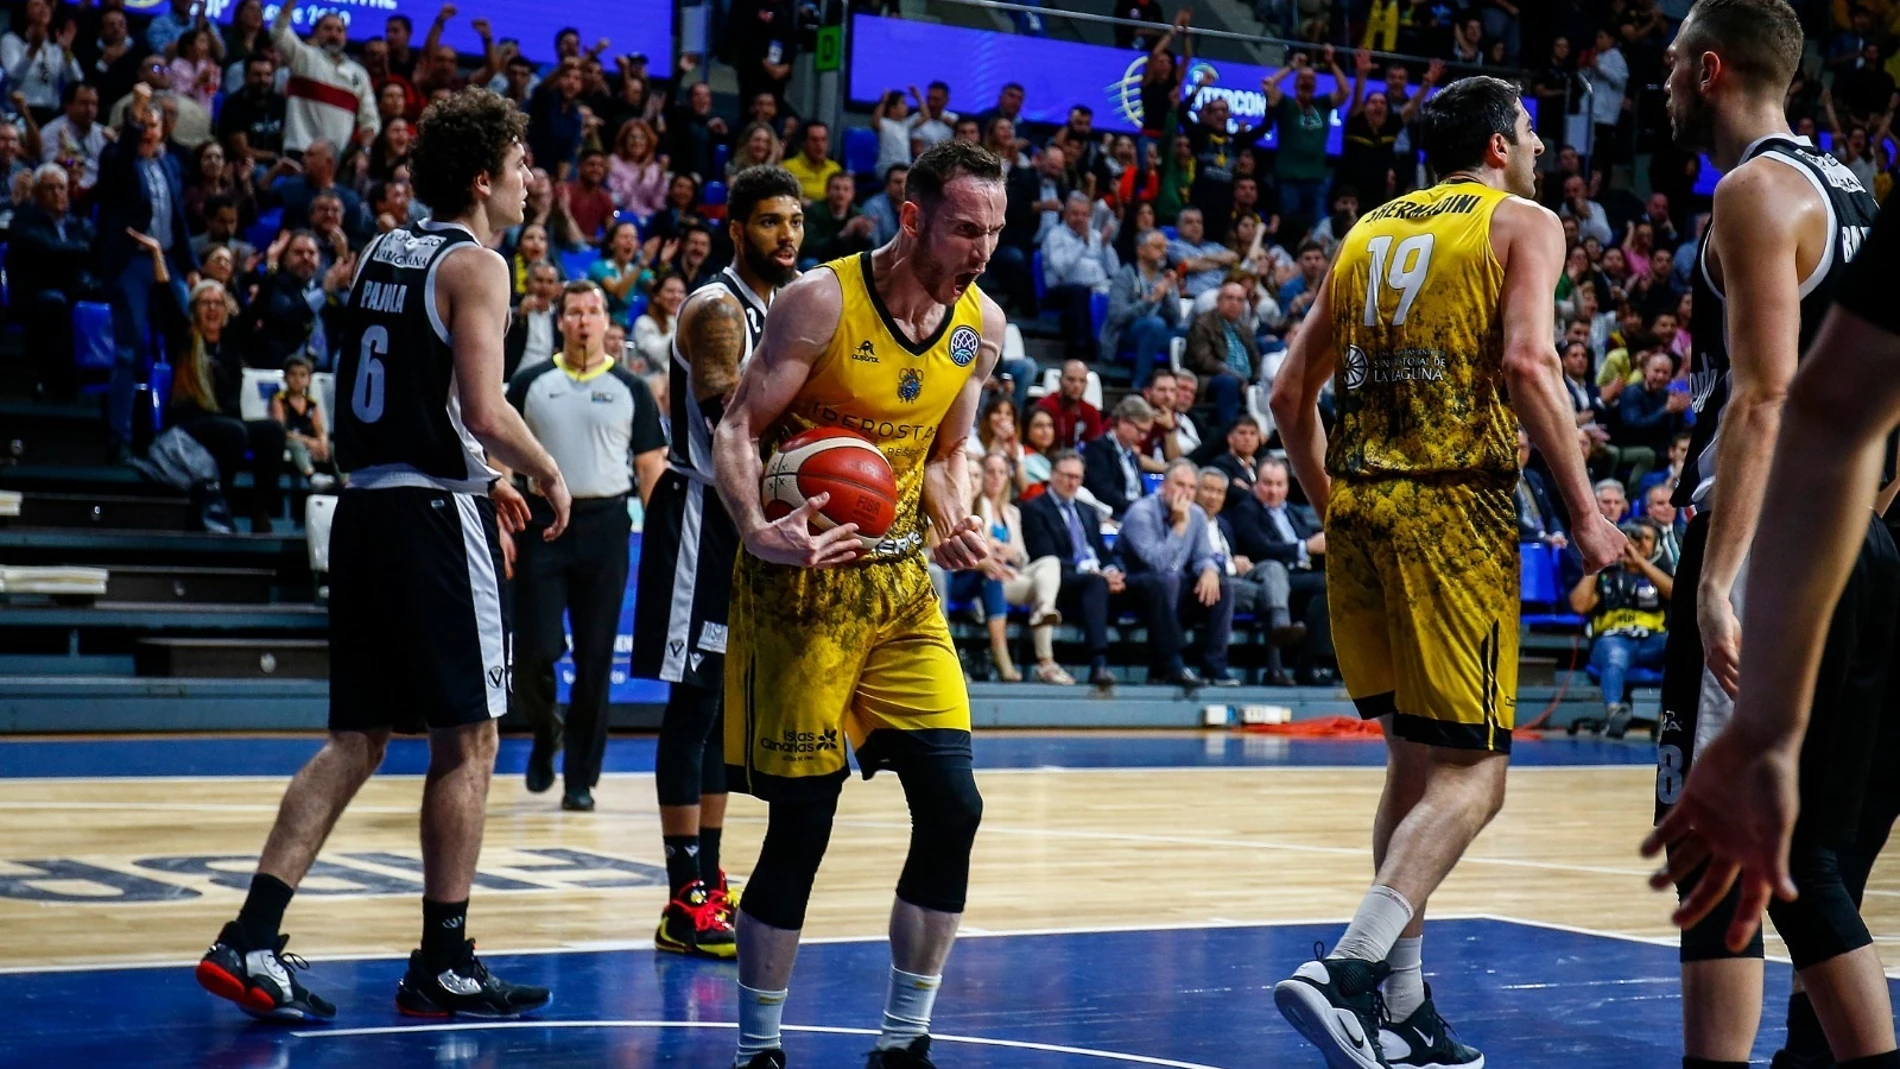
(955, 241)
(769, 240)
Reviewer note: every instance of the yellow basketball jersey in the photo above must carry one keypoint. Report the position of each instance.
(895, 392)
(1420, 384)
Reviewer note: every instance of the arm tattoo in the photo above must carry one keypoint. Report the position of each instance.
(714, 342)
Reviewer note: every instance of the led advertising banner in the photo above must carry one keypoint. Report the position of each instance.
(643, 26)
(891, 54)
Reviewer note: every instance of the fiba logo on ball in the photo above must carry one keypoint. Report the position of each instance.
(963, 343)
(1355, 373)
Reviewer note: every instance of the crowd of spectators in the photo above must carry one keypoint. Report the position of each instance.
(158, 162)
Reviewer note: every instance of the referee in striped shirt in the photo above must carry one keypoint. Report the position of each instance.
(602, 426)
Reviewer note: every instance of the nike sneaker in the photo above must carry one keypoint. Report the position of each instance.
(915, 1056)
(1425, 1041)
(1335, 1004)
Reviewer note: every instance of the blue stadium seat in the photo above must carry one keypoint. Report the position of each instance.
(1172, 233)
(160, 394)
(1098, 313)
(860, 151)
(715, 194)
(577, 263)
(92, 336)
(1537, 580)
(1151, 482)
(1035, 271)
(721, 154)
(636, 306)
(269, 222)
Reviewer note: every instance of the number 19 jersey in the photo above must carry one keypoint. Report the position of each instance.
(1420, 387)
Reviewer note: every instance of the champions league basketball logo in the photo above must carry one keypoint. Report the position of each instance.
(963, 344)
(1248, 106)
(1354, 373)
(910, 385)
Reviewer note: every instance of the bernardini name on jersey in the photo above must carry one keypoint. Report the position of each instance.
(381, 296)
(885, 429)
(1462, 204)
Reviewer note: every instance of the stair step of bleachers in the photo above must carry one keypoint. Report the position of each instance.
(234, 658)
(231, 586)
(104, 511)
(51, 434)
(285, 554)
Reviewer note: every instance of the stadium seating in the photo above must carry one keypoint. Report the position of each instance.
(860, 151)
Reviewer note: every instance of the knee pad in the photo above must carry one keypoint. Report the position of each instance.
(796, 834)
(1824, 922)
(691, 713)
(945, 810)
(1706, 941)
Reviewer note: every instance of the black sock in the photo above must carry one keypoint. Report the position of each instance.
(263, 911)
(1805, 1038)
(444, 932)
(709, 853)
(682, 861)
(1710, 1063)
(1889, 1060)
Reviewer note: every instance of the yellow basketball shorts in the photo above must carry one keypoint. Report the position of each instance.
(818, 657)
(1422, 587)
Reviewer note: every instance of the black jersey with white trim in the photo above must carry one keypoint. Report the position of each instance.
(399, 417)
(693, 421)
(1851, 212)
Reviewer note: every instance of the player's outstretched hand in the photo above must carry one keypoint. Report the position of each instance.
(1735, 813)
(560, 501)
(789, 539)
(511, 509)
(1721, 640)
(964, 547)
(1600, 542)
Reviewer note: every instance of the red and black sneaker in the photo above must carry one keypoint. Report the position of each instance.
(260, 980)
(695, 924)
(726, 897)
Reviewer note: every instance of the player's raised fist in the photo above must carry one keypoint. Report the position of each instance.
(964, 547)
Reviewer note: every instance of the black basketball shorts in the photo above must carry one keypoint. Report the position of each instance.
(687, 550)
(419, 633)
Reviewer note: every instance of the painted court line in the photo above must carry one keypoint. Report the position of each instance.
(980, 1041)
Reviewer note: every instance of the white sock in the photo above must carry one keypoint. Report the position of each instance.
(1405, 988)
(907, 1008)
(759, 1016)
(1383, 914)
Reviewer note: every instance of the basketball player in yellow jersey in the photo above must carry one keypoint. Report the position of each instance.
(1435, 323)
(830, 640)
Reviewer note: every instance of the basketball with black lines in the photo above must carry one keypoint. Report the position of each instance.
(831, 460)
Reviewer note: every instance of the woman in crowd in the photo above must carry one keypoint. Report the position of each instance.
(195, 71)
(246, 34)
(391, 149)
(1000, 139)
(204, 404)
(653, 331)
(1139, 184)
(530, 248)
(213, 175)
(1138, 220)
(636, 175)
(680, 212)
(620, 271)
(1008, 577)
(219, 265)
(996, 433)
(1638, 240)
(757, 146)
(1039, 440)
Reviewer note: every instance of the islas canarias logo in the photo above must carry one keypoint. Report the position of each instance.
(1246, 107)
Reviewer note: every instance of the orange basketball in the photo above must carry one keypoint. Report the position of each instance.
(831, 460)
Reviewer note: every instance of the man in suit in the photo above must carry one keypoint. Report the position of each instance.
(1261, 588)
(1057, 525)
(1537, 519)
(297, 309)
(1033, 199)
(1267, 528)
(1222, 350)
(534, 331)
(48, 253)
(1166, 534)
(1114, 460)
(1243, 441)
(139, 192)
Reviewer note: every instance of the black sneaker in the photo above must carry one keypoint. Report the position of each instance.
(770, 1059)
(261, 982)
(467, 989)
(540, 768)
(1335, 1004)
(915, 1056)
(1425, 1041)
(581, 801)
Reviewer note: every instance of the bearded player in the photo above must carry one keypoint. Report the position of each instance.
(827, 636)
(686, 572)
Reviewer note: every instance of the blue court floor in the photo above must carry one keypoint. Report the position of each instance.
(1190, 999)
